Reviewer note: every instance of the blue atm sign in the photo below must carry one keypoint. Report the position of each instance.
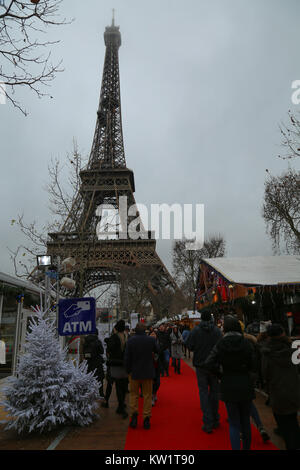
(77, 316)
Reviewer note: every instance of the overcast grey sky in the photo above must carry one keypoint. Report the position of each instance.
(204, 86)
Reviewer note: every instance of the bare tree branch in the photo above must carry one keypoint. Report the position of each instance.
(291, 137)
(24, 64)
(281, 210)
(186, 262)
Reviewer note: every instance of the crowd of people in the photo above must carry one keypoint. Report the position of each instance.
(230, 362)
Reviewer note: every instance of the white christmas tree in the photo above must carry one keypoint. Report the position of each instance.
(48, 389)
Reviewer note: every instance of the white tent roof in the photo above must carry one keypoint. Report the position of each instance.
(258, 270)
(191, 315)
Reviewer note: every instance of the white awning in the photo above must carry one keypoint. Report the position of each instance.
(258, 270)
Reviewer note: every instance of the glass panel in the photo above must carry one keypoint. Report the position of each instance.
(7, 331)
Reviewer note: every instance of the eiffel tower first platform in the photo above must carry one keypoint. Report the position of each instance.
(105, 180)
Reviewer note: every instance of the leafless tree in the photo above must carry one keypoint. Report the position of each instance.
(281, 210)
(135, 294)
(291, 137)
(186, 263)
(25, 55)
(62, 188)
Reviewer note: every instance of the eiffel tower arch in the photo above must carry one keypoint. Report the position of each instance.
(104, 181)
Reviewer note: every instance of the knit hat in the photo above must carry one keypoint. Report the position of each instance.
(275, 330)
(206, 316)
(232, 324)
(120, 326)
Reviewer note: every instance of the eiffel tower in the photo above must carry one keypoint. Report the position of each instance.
(105, 180)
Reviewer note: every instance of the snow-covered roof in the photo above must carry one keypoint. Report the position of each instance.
(189, 314)
(258, 270)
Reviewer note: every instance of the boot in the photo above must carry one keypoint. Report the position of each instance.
(133, 421)
(265, 436)
(147, 423)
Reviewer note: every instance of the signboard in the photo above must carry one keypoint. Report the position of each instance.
(77, 316)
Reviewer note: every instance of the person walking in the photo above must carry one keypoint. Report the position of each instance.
(185, 334)
(93, 353)
(235, 355)
(201, 341)
(158, 367)
(283, 383)
(115, 352)
(109, 379)
(164, 341)
(255, 377)
(139, 363)
(176, 349)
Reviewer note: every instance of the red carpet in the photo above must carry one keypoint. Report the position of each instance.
(177, 420)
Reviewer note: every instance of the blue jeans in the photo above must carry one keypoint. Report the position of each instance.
(209, 397)
(239, 422)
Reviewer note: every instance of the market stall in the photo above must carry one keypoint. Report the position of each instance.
(260, 287)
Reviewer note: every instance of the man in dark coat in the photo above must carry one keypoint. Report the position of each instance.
(235, 355)
(139, 363)
(201, 341)
(282, 379)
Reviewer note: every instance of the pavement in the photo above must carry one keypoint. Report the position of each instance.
(108, 432)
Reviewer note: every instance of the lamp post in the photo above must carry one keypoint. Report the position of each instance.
(43, 263)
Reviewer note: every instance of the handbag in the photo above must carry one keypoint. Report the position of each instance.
(118, 372)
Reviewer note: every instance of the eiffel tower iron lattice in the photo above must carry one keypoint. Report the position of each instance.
(104, 181)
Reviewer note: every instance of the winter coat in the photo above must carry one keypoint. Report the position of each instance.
(201, 341)
(139, 356)
(92, 351)
(114, 351)
(256, 353)
(176, 345)
(158, 357)
(164, 340)
(281, 376)
(185, 335)
(235, 356)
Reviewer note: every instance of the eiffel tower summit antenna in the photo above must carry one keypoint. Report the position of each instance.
(100, 259)
(113, 17)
